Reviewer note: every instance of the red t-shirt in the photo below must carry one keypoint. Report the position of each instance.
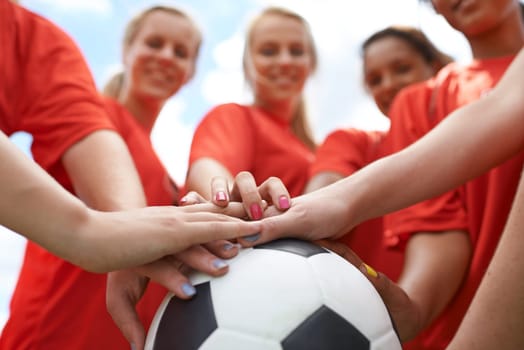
(345, 152)
(481, 206)
(57, 305)
(245, 138)
(47, 89)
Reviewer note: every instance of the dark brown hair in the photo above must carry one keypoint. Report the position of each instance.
(416, 39)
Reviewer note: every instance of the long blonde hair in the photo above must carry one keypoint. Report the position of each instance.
(299, 125)
(113, 87)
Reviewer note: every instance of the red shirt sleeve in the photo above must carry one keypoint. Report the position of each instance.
(52, 93)
(226, 135)
(346, 151)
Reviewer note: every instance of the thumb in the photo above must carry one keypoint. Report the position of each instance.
(273, 227)
(121, 307)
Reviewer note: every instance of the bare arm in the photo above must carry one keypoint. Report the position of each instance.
(322, 180)
(103, 173)
(467, 143)
(495, 318)
(36, 206)
(433, 271)
(32, 203)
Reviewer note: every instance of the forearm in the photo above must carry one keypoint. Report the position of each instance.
(495, 319)
(466, 144)
(434, 268)
(33, 204)
(103, 174)
(322, 179)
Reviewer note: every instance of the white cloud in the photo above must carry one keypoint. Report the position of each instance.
(226, 82)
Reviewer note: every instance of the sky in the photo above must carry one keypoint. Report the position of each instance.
(334, 95)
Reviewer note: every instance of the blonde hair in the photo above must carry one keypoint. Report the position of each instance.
(299, 123)
(114, 85)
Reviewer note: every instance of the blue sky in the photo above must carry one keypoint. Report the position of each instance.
(334, 95)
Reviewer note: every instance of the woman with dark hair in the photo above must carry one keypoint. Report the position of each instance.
(393, 58)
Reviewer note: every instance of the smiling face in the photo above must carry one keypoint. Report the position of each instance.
(391, 64)
(475, 17)
(279, 58)
(161, 56)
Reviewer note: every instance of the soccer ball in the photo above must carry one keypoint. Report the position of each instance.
(286, 294)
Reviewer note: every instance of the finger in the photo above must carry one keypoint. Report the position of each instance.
(404, 313)
(232, 209)
(222, 248)
(201, 259)
(220, 191)
(245, 189)
(204, 232)
(192, 198)
(274, 192)
(293, 223)
(122, 294)
(166, 272)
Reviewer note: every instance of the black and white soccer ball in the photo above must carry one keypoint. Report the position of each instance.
(287, 294)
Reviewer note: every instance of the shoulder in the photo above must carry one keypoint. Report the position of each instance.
(228, 109)
(229, 115)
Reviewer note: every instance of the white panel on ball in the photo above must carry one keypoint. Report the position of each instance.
(234, 299)
(352, 297)
(228, 339)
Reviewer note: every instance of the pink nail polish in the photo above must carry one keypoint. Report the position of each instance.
(283, 202)
(220, 196)
(256, 211)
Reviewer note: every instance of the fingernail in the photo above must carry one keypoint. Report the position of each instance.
(183, 200)
(256, 211)
(252, 238)
(228, 246)
(220, 196)
(219, 264)
(283, 202)
(188, 289)
(133, 346)
(368, 270)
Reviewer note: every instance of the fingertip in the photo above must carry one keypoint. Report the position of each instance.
(230, 250)
(284, 202)
(255, 211)
(188, 290)
(188, 199)
(368, 270)
(221, 199)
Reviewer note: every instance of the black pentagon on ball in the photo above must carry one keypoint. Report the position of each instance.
(185, 324)
(325, 330)
(293, 246)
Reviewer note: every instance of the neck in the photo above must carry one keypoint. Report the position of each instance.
(284, 110)
(145, 111)
(504, 40)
